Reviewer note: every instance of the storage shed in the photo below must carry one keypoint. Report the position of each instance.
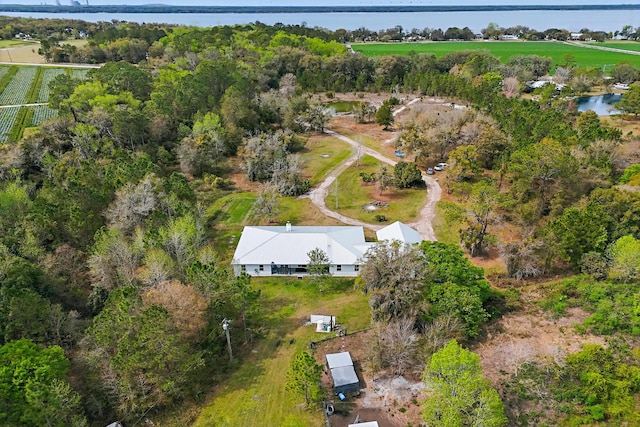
(343, 373)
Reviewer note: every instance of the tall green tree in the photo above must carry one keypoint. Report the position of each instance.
(578, 231)
(630, 102)
(303, 377)
(484, 201)
(458, 393)
(137, 350)
(407, 175)
(540, 170)
(33, 387)
(384, 116)
(318, 265)
(624, 255)
(393, 278)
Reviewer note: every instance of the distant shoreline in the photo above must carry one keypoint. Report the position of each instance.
(302, 9)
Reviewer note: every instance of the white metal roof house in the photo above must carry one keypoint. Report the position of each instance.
(282, 250)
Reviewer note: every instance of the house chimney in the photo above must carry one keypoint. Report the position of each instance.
(288, 226)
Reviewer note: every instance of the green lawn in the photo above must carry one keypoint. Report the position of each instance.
(229, 214)
(232, 209)
(404, 205)
(255, 394)
(445, 232)
(584, 57)
(322, 155)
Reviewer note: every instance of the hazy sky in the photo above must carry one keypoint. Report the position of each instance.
(331, 2)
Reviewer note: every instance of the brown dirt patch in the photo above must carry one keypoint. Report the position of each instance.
(520, 337)
(392, 401)
(25, 54)
(629, 152)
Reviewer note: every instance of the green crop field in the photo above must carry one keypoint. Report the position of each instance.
(625, 45)
(23, 84)
(583, 57)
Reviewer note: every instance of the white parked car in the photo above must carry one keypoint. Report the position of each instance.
(440, 166)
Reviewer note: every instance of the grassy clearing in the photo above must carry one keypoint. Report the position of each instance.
(229, 214)
(404, 205)
(302, 212)
(4, 44)
(231, 209)
(365, 140)
(445, 232)
(584, 57)
(255, 394)
(323, 154)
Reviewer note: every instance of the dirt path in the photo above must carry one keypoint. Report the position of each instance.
(427, 212)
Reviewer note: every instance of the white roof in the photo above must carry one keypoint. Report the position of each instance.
(399, 231)
(315, 318)
(267, 244)
(339, 360)
(367, 424)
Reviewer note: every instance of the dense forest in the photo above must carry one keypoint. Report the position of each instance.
(113, 285)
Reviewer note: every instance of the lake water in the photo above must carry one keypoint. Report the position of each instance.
(604, 20)
(601, 104)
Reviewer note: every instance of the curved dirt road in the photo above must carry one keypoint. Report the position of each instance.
(427, 212)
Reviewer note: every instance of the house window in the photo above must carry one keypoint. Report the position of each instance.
(243, 268)
(356, 267)
(261, 267)
(338, 267)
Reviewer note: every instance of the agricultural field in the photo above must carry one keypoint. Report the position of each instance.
(583, 57)
(625, 45)
(18, 88)
(41, 114)
(79, 74)
(47, 76)
(7, 117)
(24, 85)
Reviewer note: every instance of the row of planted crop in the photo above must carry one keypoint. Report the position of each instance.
(7, 117)
(47, 77)
(23, 85)
(16, 91)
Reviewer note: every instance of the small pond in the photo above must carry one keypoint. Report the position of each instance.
(601, 104)
(343, 106)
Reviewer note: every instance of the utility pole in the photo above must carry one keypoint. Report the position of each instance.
(336, 192)
(225, 327)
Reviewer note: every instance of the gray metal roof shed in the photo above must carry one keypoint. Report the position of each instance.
(343, 373)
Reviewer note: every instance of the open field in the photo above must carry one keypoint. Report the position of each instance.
(323, 154)
(4, 44)
(255, 395)
(404, 204)
(622, 44)
(504, 50)
(22, 53)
